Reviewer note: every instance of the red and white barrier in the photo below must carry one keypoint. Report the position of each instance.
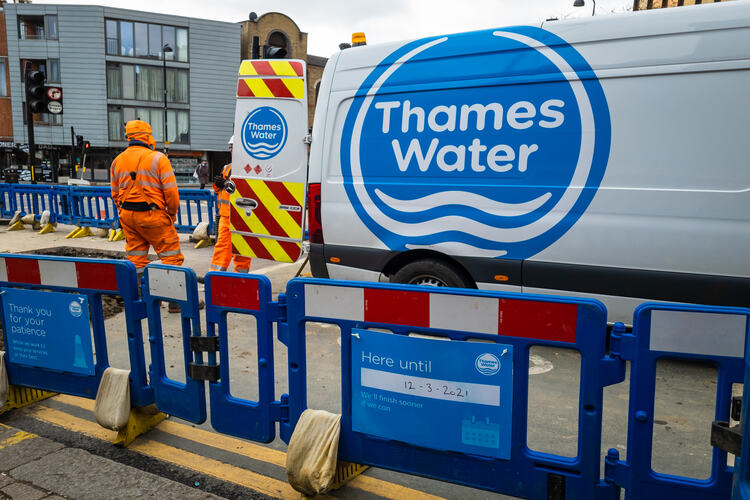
(512, 317)
(92, 275)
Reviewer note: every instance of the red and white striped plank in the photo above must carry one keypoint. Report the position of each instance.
(511, 317)
(63, 273)
(235, 292)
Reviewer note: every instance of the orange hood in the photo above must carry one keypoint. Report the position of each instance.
(138, 130)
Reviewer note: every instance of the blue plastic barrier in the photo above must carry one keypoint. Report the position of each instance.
(36, 360)
(62, 204)
(696, 333)
(196, 205)
(93, 206)
(32, 199)
(7, 201)
(248, 295)
(179, 285)
(520, 321)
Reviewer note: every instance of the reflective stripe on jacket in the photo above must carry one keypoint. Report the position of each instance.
(222, 197)
(154, 182)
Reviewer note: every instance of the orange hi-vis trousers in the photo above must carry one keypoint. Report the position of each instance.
(153, 228)
(223, 251)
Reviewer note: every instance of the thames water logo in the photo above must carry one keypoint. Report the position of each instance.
(487, 364)
(494, 153)
(75, 309)
(264, 133)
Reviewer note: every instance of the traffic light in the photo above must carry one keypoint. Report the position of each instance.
(271, 52)
(79, 148)
(86, 147)
(36, 94)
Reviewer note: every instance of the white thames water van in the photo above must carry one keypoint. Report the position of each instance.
(605, 157)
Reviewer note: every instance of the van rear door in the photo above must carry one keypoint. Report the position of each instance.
(269, 160)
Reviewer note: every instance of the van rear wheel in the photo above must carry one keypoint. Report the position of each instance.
(431, 273)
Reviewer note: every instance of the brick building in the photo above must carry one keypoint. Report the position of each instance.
(274, 29)
(6, 111)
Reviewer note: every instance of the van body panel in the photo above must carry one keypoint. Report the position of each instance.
(661, 212)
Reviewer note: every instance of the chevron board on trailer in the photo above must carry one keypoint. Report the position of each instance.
(269, 160)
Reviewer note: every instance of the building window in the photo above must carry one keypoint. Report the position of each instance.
(178, 123)
(177, 86)
(149, 85)
(31, 27)
(168, 37)
(53, 70)
(182, 45)
(279, 39)
(51, 27)
(3, 83)
(154, 41)
(113, 44)
(146, 40)
(144, 83)
(126, 38)
(141, 39)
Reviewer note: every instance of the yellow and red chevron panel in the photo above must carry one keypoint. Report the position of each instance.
(278, 216)
(273, 79)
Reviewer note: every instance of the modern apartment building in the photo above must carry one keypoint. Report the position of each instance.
(113, 65)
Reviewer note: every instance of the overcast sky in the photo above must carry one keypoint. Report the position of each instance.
(329, 22)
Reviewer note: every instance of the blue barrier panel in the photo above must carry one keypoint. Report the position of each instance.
(695, 333)
(174, 284)
(7, 201)
(248, 295)
(32, 199)
(62, 204)
(515, 322)
(93, 206)
(51, 307)
(196, 206)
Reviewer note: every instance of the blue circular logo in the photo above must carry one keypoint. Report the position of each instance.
(491, 143)
(75, 309)
(487, 364)
(264, 133)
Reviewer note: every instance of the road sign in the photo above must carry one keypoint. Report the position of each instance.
(447, 395)
(48, 330)
(54, 93)
(54, 107)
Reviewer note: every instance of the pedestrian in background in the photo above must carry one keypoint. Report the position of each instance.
(223, 250)
(204, 173)
(144, 189)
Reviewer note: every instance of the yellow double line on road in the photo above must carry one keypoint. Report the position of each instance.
(226, 472)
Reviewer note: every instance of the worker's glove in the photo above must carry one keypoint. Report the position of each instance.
(219, 181)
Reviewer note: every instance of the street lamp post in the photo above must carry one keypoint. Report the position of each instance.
(164, 51)
(580, 3)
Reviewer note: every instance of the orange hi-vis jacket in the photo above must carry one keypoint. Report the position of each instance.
(221, 195)
(140, 174)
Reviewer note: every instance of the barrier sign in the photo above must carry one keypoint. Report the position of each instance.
(450, 395)
(48, 330)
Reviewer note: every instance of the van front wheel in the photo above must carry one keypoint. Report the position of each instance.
(430, 273)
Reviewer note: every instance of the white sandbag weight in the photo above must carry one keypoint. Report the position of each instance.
(313, 451)
(112, 406)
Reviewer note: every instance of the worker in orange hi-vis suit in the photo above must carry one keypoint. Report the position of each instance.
(223, 250)
(144, 188)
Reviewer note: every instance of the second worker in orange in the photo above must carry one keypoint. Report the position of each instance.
(223, 250)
